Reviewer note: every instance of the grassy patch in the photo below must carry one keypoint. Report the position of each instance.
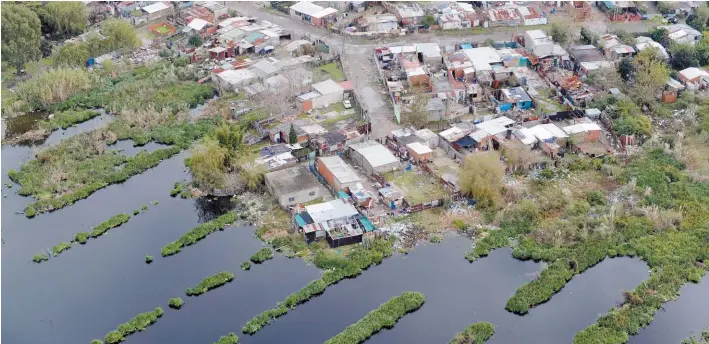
(328, 71)
(385, 316)
(198, 233)
(40, 257)
(336, 268)
(113, 222)
(262, 255)
(231, 338)
(418, 187)
(60, 247)
(175, 303)
(246, 266)
(148, 259)
(138, 323)
(176, 190)
(209, 283)
(477, 333)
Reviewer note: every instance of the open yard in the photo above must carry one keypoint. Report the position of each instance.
(328, 71)
(417, 186)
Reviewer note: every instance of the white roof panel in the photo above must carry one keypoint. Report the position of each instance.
(158, 6)
(306, 7)
(495, 126)
(554, 130)
(419, 148)
(375, 153)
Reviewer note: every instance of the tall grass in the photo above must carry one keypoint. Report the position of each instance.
(385, 316)
(55, 86)
(198, 233)
(211, 282)
(337, 268)
(138, 323)
(477, 333)
(66, 119)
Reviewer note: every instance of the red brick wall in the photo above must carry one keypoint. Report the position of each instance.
(329, 177)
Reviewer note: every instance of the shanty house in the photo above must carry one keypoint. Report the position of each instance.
(430, 54)
(294, 185)
(158, 10)
(373, 157)
(419, 151)
(584, 132)
(693, 76)
(642, 43)
(514, 97)
(429, 137)
(436, 109)
(338, 174)
(197, 26)
(324, 93)
(338, 221)
(312, 13)
(683, 33)
(233, 79)
(538, 43)
(333, 141)
(218, 10)
(379, 22)
(408, 14)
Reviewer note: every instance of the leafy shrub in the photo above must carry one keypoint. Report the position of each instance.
(40, 257)
(60, 247)
(262, 255)
(138, 323)
(385, 316)
(231, 338)
(595, 197)
(435, 239)
(198, 233)
(113, 222)
(211, 282)
(175, 303)
(81, 237)
(148, 259)
(245, 266)
(459, 224)
(176, 190)
(547, 173)
(477, 333)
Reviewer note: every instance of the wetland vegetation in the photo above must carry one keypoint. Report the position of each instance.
(262, 255)
(477, 333)
(175, 303)
(385, 316)
(209, 283)
(198, 233)
(139, 323)
(231, 338)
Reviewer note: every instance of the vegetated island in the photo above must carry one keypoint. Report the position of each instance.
(198, 233)
(211, 282)
(477, 333)
(138, 323)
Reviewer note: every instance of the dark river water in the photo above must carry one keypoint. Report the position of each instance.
(87, 291)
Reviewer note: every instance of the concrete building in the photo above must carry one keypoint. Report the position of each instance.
(158, 10)
(337, 173)
(217, 10)
(233, 79)
(683, 33)
(373, 157)
(538, 43)
(312, 13)
(693, 76)
(430, 54)
(583, 132)
(408, 14)
(613, 47)
(429, 137)
(379, 23)
(338, 221)
(419, 151)
(436, 109)
(294, 185)
(324, 93)
(197, 26)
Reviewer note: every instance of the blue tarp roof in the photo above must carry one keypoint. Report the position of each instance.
(609, 4)
(466, 141)
(466, 46)
(368, 226)
(343, 194)
(299, 220)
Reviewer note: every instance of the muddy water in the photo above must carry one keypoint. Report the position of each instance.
(87, 291)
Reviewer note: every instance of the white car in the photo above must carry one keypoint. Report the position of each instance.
(347, 104)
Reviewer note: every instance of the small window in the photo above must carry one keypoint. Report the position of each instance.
(312, 193)
(291, 199)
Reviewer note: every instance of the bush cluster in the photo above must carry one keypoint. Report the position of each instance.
(262, 255)
(231, 338)
(477, 333)
(198, 233)
(175, 303)
(138, 323)
(211, 282)
(385, 316)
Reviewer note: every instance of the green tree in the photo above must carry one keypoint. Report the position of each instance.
(195, 41)
(482, 178)
(21, 35)
(625, 36)
(71, 54)
(661, 35)
(120, 35)
(665, 7)
(628, 119)
(67, 18)
(683, 56)
(626, 69)
(292, 135)
(588, 36)
(428, 21)
(651, 74)
(207, 164)
(231, 138)
(560, 33)
(702, 49)
(701, 16)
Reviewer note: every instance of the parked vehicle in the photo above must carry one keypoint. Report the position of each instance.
(347, 103)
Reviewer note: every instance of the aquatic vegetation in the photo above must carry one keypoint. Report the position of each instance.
(336, 269)
(138, 323)
(175, 303)
(198, 233)
(231, 338)
(176, 190)
(148, 259)
(262, 255)
(385, 316)
(246, 266)
(518, 220)
(40, 257)
(477, 333)
(144, 207)
(211, 282)
(436, 239)
(136, 212)
(66, 119)
(60, 247)
(81, 237)
(85, 173)
(96, 341)
(113, 222)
